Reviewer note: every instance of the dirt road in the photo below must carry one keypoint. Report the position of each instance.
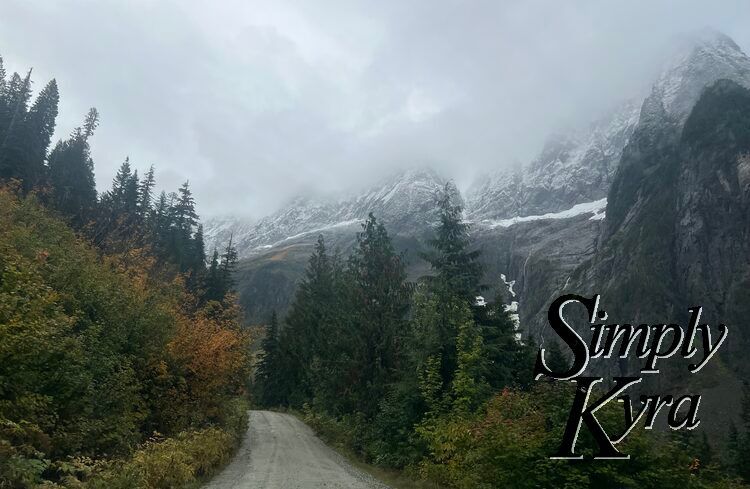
(281, 452)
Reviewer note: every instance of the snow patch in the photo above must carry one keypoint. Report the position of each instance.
(597, 208)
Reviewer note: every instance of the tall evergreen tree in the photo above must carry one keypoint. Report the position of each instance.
(228, 264)
(311, 312)
(17, 95)
(213, 286)
(456, 266)
(184, 209)
(23, 133)
(380, 296)
(120, 184)
(268, 373)
(39, 126)
(72, 174)
(146, 193)
(197, 267)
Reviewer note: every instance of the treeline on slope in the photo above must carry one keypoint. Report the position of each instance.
(123, 362)
(419, 376)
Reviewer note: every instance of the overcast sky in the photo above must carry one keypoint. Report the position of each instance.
(257, 101)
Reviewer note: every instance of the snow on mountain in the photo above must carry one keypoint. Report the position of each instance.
(595, 208)
(571, 168)
(402, 201)
(579, 166)
(572, 172)
(702, 59)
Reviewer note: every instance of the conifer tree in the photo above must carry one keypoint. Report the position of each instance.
(269, 371)
(457, 268)
(184, 209)
(196, 279)
(228, 263)
(213, 286)
(380, 295)
(22, 145)
(17, 95)
(457, 274)
(120, 184)
(508, 362)
(39, 127)
(71, 172)
(313, 307)
(146, 193)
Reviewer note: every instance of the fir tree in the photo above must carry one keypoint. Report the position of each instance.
(196, 279)
(228, 263)
(146, 193)
(314, 305)
(380, 295)
(71, 172)
(457, 268)
(39, 127)
(213, 290)
(184, 209)
(269, 369)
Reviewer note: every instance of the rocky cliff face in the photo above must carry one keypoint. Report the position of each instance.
(579, 166)
(646, 174)
(572, 168)
(677, 227)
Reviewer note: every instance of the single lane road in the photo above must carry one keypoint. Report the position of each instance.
(281, 452)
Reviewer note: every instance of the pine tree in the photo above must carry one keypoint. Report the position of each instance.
(14, 137)
(226, 269)
(311, 313)
(213, 286)
(268, 373)
(185, 215)
(555, 358)
(508, 361)
(3, 85)
(71, 172)
(146, 193)
(4, 102)
(17, 94)
(120, 184)
(39, 127)
(457, 269)
(197, 277)
(380, 294)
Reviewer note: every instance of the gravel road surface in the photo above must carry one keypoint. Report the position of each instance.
(281, 452)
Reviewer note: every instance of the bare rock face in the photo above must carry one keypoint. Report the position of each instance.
(571, 168)
(579, 166)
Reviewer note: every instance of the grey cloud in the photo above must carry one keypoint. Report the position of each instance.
(254, 102)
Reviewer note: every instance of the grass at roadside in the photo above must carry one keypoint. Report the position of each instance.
(397, 479)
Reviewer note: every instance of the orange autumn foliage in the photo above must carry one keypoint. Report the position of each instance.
(213, 350)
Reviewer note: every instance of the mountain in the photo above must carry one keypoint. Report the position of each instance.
(572, 168)
(404, 200)
(579, 166)
(711, 57)
(275, 250)
(537, 225)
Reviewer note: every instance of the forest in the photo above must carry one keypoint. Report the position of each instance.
(125, 361)
(424, 378)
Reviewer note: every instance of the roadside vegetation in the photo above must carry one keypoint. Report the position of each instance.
(123, 360)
